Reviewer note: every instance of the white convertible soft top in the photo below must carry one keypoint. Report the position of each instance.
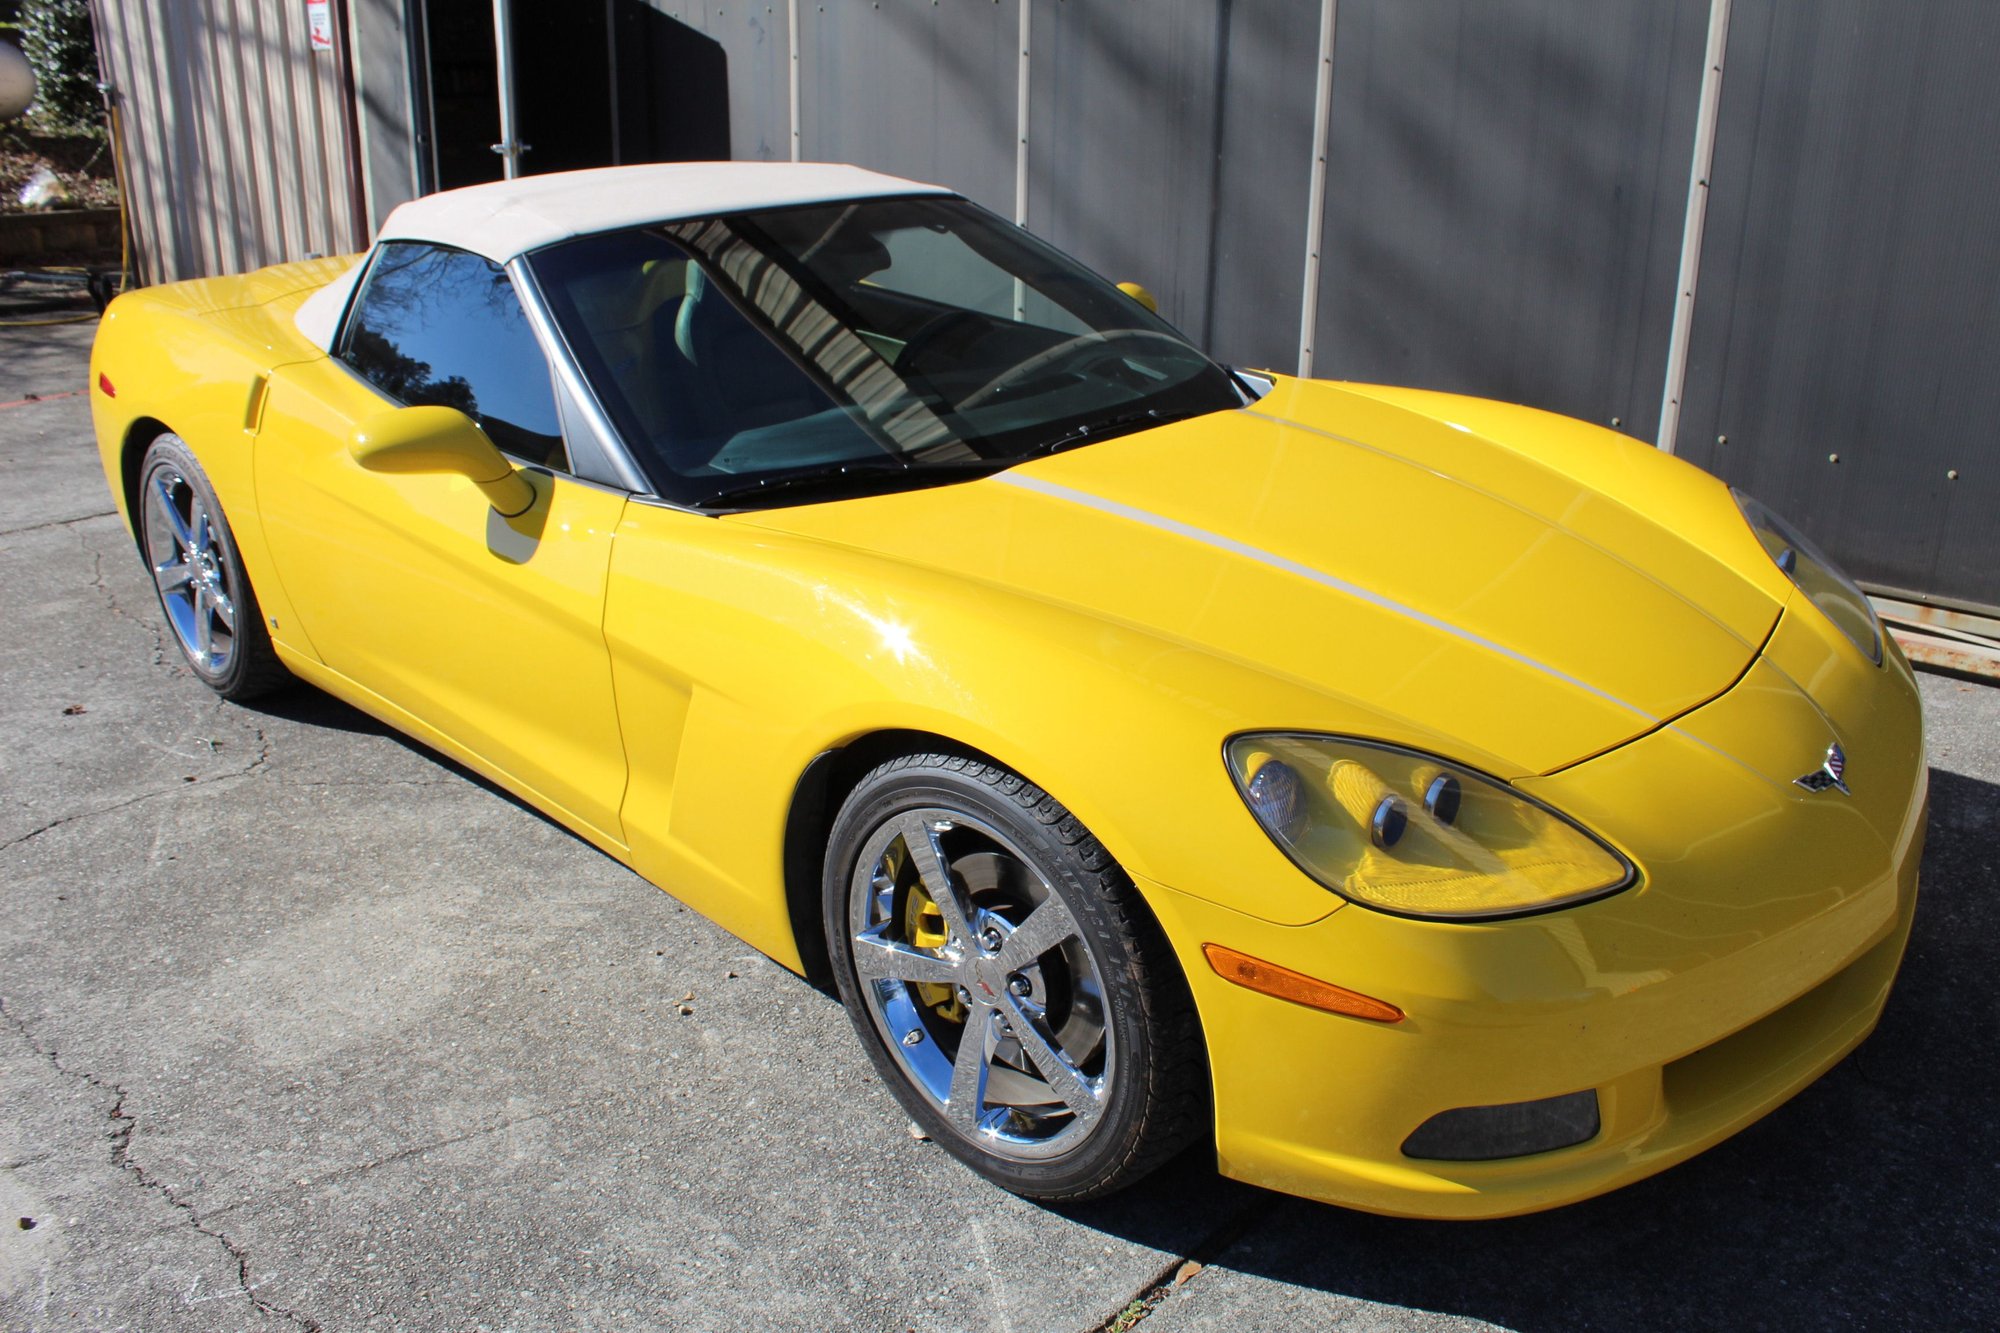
(506, 219)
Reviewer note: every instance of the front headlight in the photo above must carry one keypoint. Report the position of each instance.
(1412, 834)
(1816, 576)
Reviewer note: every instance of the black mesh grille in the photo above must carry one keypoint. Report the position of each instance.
(1483, 1133)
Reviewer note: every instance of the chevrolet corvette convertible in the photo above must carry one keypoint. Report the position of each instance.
(1445, 808)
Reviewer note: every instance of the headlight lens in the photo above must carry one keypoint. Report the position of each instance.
(1415, 835)
(1816, 576)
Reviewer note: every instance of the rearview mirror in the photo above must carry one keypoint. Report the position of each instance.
(441, 439)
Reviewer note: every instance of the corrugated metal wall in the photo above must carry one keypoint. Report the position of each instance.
(1506, 183)
(1847, 335)
(235, 134)
(1168, 145)
(757, 49)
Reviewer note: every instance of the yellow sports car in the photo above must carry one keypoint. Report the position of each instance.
(1454, 809)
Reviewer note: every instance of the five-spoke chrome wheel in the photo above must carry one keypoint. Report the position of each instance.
(976, 975)
(204, 593)
(184, 551)
(1007, 980)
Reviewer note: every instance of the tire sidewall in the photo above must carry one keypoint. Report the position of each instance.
(894, 789)
(170, 451)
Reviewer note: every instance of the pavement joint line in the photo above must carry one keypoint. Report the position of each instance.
(58, 523)
(1203, 1252)
(124, 1125)
(418, 1149)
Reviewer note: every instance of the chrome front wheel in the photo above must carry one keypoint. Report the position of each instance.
(979, 981)
(1007, 981)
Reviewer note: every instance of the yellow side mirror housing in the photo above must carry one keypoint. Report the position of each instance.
(441, 439)
(1141, 295)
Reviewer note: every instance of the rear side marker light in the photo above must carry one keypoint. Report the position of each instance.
(1285, 984)
(104, 383)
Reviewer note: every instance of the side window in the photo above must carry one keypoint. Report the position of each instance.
(436, 326)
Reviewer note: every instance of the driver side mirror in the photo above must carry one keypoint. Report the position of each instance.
(441, 439)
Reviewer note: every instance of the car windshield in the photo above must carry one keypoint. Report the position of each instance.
(802, 353)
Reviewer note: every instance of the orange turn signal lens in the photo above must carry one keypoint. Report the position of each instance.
(1270, 979)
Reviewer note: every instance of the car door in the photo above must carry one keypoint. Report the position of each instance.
(411, 586)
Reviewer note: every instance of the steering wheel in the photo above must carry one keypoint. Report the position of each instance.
(937, 330)
(1087, 349)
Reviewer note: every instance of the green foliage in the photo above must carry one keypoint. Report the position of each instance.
(57, 39)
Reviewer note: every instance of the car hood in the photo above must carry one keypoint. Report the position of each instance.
(1435, 584)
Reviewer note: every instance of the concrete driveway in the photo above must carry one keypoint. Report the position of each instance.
(303, 1025)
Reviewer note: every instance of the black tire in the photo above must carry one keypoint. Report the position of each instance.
(1005, 849)
(211, 610)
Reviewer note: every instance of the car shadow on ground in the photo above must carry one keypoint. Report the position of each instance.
(309, 707)
(1871, 1200)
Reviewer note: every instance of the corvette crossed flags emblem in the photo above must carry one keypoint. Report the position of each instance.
(1832, 773)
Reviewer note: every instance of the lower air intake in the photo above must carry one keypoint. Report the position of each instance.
(1485, 1133)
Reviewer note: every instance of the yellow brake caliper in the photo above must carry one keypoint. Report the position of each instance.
(923, 926)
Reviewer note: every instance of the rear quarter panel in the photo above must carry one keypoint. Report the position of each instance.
(192, 358)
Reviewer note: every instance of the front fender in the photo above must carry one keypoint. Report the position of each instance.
(740, 655)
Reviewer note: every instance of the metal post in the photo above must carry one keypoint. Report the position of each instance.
(1692, 226)
(792, 28)
(1021, 125)
(1316, 198)
(510, 147)
(1021, 85)
(611, 64)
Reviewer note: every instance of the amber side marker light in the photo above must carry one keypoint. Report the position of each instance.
(1270, 979)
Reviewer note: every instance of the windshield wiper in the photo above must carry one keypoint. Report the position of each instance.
(1106, 427)
(856, 476)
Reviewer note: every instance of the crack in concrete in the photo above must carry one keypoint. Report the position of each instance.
(123, 1125)
(1141, 1303)
(57, 523)
(253, 769)
(238, 717)
(258, 765)
(419, 1149)
(53, 824)
(150, 624)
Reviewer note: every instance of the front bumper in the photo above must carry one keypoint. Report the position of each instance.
(1757, 950)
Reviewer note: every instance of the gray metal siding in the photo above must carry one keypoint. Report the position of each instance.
(1505, 190)
(234, 135)
(1846, 305)
(755, 45)
(1121, 143)
(1266, 51)
(1506, 186)
(914, 89)
(382, 83)
(1170, 146)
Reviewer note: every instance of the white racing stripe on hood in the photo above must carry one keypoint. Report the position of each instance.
(1321, 577)
(1414, 614)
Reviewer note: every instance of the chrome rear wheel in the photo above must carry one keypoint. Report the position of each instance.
(190, 568)
(203, 590)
